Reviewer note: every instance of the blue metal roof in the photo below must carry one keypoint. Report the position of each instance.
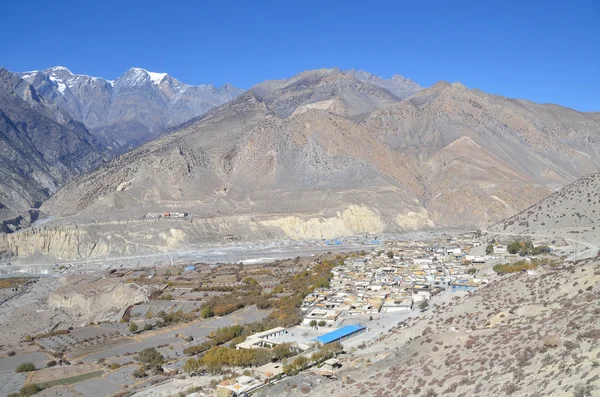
(340, 333)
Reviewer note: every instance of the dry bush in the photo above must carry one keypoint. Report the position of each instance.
(552, 341)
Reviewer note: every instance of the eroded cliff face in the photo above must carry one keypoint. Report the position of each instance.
(99, 300)
(62, 242)
(151, 236)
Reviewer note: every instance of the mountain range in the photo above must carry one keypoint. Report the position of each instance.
(57, 124)
(323, 154)
(132, 109)
(41, 148)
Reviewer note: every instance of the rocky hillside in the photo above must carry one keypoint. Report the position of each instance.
(132, 109)
(326, 154)
(574, 206)
(41, 148)
(572, 213)
(519, 336)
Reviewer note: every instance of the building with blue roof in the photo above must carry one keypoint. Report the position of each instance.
(341, 334)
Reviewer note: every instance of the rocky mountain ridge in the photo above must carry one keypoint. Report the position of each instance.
(41, 148)
(132, 109)
(323, 154)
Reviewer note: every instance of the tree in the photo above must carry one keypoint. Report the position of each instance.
(489, 249)
(150, 359)
(250, 281)
(192, 365)
(281, 351)
(514, 247)
(300, 362)
(313, 323)
(472, 271)
(25, 367)
(322, 323)
(424, 305)
(390, 254)
(207, 312)
(133, 328)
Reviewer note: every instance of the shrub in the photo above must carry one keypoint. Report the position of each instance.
(30, 389)
(207, 312)
(25, 367)
(133, 327)
(552, 341)
(139, 373)
(569, 345)
(583, 390)
(150, 359)
(322, 323)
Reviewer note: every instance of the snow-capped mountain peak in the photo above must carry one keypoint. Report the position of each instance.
(59, 69)
(156, 77)
(131, 108)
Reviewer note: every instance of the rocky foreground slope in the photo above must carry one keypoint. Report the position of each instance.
(521, 335)
(320, 155)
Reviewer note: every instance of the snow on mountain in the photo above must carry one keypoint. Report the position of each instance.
(131, 109)
(156, 77)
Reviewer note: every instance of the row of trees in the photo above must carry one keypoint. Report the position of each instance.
(514, 267)
(234, 334)
(300, 363)
(218, 357)
(522, 248)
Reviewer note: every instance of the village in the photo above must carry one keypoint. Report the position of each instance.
(238, 328)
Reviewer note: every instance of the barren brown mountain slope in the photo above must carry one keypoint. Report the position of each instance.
(322, 155)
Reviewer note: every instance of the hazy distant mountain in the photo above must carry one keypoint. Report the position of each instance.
(41, 147)
(324, 89)
(132, 109)
(397, 85)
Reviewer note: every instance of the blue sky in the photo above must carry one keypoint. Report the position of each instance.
(545, 51)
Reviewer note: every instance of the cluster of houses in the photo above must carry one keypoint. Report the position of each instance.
(391, 280)
(167, 215)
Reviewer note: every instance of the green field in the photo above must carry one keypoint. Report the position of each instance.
(72, 379)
